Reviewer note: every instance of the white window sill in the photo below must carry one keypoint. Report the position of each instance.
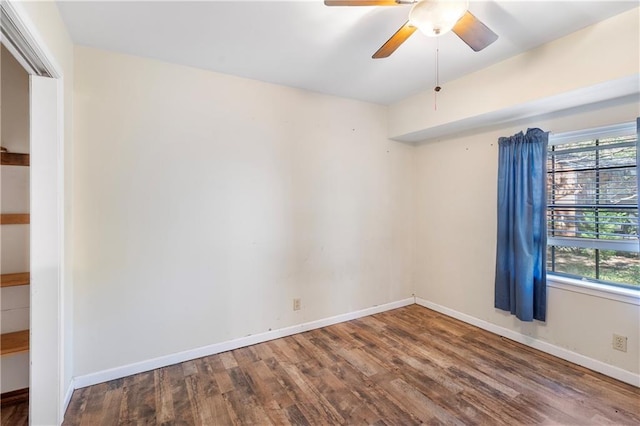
(604, 291)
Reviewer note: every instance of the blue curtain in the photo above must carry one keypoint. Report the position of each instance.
(521, 271)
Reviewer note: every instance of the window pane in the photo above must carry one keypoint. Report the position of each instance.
(593, 222)
(575, 261)
(592, 190)
(620, 267)
(618, 186)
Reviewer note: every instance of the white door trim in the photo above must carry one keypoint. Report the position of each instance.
(20, 37)
(46, 230)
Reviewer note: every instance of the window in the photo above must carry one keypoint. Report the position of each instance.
(592, 210)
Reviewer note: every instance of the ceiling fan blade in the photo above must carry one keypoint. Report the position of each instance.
(361, 2)
(473, 32)
(395, 41)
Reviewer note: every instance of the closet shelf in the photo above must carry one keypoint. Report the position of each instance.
(13, 343)
(14, 218)
(14, 159)
(11, 280)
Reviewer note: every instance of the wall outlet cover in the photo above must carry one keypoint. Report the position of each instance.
(619, 342)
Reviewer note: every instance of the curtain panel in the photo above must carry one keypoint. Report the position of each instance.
(520, 283)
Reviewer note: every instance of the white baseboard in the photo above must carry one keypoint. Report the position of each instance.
(67, 397)
(576, 358)
(163, 361)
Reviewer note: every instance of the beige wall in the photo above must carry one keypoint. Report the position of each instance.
(15, 104)
(456, 227)
(205, 203)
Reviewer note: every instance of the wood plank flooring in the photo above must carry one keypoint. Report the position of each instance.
(402, 367)
(15, 414)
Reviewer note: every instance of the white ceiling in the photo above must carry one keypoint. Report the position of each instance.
(308, 45)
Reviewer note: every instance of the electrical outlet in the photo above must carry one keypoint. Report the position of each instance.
(296, 304)
(619, 342)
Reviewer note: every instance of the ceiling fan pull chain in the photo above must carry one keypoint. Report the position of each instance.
(437, 88)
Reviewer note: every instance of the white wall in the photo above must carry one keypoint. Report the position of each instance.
(205, 203)
(456, 231)
(14, 239)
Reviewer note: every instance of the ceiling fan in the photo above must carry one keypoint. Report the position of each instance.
(433, 18)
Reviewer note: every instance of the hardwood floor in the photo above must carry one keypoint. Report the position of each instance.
(406, 366)
(15, 414)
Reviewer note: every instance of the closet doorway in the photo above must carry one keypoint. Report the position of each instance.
(43, 220)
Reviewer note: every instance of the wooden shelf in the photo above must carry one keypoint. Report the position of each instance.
(14, 218)
(12, 280)
(13, 343)
(14, 159)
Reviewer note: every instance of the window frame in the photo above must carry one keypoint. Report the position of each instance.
(591, 285)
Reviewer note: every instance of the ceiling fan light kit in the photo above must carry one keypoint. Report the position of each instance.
(437, 17)
(433, 18)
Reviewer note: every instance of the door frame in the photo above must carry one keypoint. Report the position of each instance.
(49, 394)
